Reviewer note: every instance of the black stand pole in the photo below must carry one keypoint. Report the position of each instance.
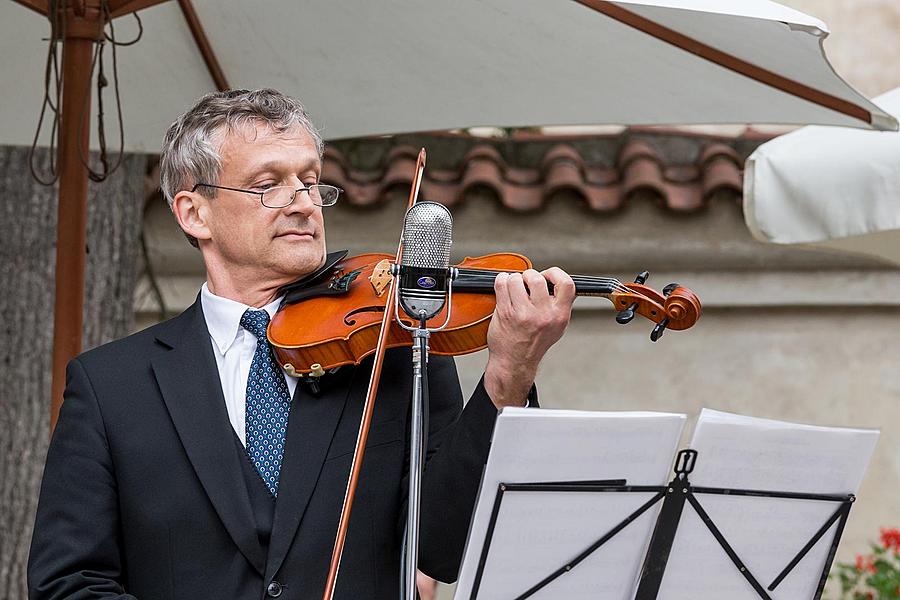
(666, 527)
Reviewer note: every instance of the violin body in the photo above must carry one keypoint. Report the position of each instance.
(331, 329)
(339, 318)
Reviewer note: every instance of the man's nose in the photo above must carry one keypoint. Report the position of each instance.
(302, 203)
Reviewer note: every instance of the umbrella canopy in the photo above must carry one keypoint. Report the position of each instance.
(366, 68)
(387, 67)
(828, 187)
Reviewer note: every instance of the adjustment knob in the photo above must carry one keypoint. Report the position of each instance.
(625, 316)
(669, 289)
(659, 330)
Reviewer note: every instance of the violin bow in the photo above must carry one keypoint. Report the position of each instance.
(369, 407)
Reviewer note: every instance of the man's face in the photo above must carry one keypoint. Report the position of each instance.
(280, 244)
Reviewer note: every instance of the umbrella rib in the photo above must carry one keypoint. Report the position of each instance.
(39, 6)
(728, 61)
(203, 45)
(118, 8)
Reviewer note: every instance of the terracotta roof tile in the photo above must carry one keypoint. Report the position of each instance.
(637, 167)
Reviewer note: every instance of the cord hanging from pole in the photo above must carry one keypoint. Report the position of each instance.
(54, 84)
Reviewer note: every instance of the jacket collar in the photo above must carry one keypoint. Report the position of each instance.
(189, 382)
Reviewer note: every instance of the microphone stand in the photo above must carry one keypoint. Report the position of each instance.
(416, 454)
(417, 438)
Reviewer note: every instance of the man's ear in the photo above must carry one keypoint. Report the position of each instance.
(192, 213)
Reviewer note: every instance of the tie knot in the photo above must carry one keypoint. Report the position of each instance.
(255, 321)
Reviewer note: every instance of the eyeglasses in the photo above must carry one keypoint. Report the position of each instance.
(280, 196)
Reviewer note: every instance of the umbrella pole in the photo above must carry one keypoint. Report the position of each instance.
(83, 27)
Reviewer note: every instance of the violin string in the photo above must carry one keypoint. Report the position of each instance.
(491, 275)
(487, 277)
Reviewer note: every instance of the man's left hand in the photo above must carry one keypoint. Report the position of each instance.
(526, 322)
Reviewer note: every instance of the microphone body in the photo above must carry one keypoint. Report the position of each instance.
(425, 262)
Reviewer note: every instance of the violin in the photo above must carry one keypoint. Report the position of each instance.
(332, 317)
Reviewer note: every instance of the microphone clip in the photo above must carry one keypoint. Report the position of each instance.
(450, 273)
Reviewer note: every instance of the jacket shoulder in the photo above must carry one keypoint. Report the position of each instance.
(142, 345)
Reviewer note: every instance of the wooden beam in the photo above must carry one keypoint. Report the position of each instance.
(118, 8)
(203, 45)
(38, 6)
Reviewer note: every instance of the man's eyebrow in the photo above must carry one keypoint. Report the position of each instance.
(277, 166)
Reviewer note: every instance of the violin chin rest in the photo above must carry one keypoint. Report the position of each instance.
(317, 276)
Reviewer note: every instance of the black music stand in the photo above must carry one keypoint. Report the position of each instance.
(673, 496)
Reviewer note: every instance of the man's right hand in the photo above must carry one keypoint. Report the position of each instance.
(526, 323)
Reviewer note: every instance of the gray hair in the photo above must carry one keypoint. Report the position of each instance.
(191, 150)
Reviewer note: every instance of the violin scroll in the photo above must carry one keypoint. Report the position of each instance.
(675, 308)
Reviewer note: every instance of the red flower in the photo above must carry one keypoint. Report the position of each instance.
(865, 563)
(890, 539)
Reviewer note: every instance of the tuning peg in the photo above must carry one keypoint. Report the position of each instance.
(625, 316)
(659, 330)
(669, 289)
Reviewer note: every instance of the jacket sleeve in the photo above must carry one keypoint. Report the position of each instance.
(459, 441)
(75, 550)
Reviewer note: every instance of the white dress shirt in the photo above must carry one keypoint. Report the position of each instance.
(233, 347)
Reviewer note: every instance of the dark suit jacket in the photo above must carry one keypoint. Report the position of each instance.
(143, 495)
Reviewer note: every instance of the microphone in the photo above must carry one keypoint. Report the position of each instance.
(425, 261)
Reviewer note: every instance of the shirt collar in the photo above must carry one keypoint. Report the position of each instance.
(223, 317)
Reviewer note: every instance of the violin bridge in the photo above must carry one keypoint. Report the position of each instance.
(381, 277)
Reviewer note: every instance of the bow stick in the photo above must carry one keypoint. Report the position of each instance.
(369, 406)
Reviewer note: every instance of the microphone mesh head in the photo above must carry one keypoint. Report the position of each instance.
(427, 234)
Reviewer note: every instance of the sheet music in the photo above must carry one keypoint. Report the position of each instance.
(750, 453)
(538, 532)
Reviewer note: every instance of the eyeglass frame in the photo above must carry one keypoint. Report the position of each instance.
(260, 194)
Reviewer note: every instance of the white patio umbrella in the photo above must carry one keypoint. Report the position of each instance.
(367, 68)
(828, 187)
(398, 66)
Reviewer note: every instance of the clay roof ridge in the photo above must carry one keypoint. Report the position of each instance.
(639, 169)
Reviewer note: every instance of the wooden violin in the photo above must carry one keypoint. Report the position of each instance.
(332, 317)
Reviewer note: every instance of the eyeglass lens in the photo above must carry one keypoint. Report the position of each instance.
(281, 196)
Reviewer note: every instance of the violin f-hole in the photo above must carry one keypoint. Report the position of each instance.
(349, 321)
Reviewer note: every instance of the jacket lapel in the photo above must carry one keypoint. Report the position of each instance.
(189, 381)
(311, 426)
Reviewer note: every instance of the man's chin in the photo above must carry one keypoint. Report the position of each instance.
(297, 265)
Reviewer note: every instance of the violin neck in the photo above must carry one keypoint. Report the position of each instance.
(482, 281)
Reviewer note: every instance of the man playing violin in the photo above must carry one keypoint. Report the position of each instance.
(187, 464)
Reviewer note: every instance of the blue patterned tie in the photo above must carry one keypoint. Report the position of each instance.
(268, 403)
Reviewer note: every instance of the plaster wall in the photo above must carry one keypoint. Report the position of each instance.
(864, 40)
